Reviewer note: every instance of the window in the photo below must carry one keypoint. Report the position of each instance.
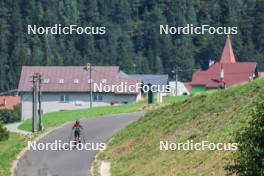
(46, 81)
(90, 81)
(61, 81)
(64, 98)
(98, 97)
(78, 103)
(104, 81)
(76, 81)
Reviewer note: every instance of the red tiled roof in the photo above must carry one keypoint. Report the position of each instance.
(233, 73)
(9, 102)
(69, 74)
(228, 54)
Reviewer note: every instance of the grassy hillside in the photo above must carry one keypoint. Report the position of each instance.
(213, 117)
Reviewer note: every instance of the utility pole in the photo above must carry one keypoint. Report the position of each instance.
(176, 70)
(40, 112)
(88, 67)
(34, 102)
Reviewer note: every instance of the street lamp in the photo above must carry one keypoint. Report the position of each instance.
(88, 67)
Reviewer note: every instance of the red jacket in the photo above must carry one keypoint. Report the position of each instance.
(77, 126)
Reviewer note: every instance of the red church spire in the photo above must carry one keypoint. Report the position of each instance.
(228, 54)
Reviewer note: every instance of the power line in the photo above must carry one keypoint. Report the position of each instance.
(9, 92)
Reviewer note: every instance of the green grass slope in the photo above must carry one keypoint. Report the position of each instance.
(212, 116)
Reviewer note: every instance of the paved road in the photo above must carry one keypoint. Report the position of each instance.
(74, 162)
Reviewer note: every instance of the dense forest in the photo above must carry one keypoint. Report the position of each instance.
(132, 40)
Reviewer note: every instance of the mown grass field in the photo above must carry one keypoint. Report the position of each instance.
(8, 152)
(213, 117)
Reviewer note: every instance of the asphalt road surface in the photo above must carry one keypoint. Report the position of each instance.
(74, 162)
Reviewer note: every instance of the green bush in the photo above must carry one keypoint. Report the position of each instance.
(9, 116)
(4, 134)
(249, 159)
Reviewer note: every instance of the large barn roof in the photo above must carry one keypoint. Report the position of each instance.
(71, 78)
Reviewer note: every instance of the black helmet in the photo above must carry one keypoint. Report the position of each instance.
(77, 122)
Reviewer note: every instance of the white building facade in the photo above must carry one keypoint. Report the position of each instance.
(68, 88)
(53, 102)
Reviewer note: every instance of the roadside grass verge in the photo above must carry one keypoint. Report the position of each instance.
(9, 150)
(213, 117)
(57, 118)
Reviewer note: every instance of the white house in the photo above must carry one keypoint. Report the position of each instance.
(68, 87)
(181, 88)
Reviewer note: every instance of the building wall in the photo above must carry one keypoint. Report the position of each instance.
(51, 102)
(181, 89)
(198, 89)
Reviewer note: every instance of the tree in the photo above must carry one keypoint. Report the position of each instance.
(158, 68)
(4, 134)
(184, 57)
(4, 36)
(9, 116)
(132, 34)
(17, 50)
(89, 11)
(125, 56)
(248, 160)
(141, 64)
